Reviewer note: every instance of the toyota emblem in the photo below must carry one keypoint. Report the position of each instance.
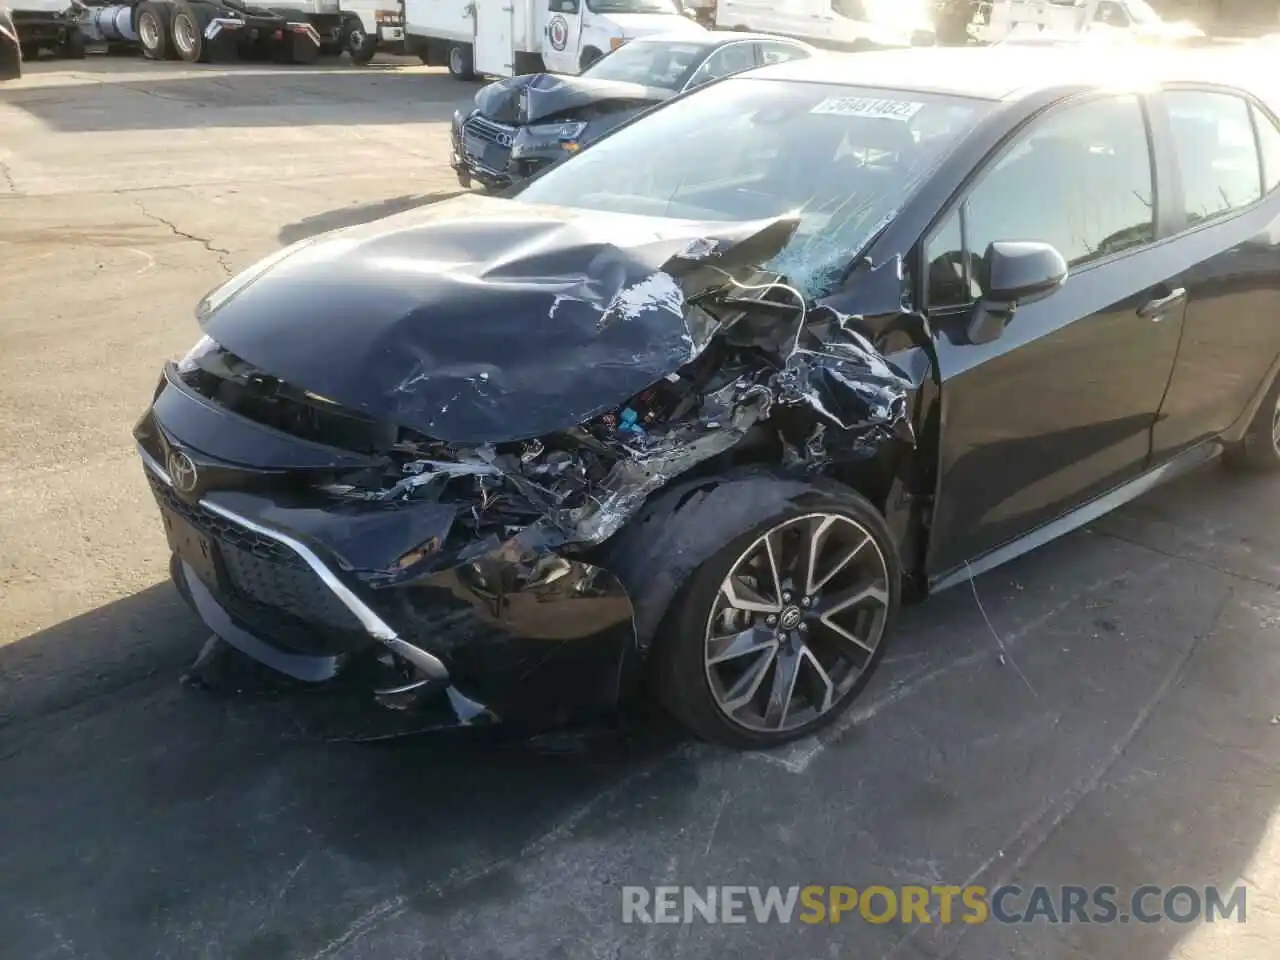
(182, 472)
(504, 139)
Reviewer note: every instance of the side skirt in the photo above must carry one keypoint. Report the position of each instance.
(1186, 461)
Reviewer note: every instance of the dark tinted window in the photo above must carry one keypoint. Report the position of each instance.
(948, 276)
(1217, 153)
(734, 58)
(1080, 179)
(1269, 144)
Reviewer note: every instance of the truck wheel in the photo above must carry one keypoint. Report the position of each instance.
(356, 41)
(30, 52)
(589, 56)
(73, 47)
(189, 23)
(155, 30)
(460, 62)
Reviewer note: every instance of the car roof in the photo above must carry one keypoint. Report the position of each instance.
(1015, 71)
(719, 38)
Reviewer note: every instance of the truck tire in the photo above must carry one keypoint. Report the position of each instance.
(73, 46)
(30, 52)
(189, 23)
(155, 30)
(460, 62)
(360, 44)
(589, 56)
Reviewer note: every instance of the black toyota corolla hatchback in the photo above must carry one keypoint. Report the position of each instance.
(695, 411)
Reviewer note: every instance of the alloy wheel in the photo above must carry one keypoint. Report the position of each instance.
(456, 65)
(149, 31)
(796, 622)
(184, 33)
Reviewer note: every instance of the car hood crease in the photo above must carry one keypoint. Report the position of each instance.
(484, 320)
(527, 99)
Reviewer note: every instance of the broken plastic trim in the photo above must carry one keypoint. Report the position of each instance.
(430, 666)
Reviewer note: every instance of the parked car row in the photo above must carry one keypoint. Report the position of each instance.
(693, 412)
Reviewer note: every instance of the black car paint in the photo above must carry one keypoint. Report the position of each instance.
(942, 490)
(1072, 444)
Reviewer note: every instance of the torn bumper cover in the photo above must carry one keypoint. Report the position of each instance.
(408, 454)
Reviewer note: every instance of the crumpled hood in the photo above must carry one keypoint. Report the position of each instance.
(525, 99)
(482, 319)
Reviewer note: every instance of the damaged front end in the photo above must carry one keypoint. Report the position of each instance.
(436, 514)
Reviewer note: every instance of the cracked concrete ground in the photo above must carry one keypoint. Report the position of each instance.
(141, 819)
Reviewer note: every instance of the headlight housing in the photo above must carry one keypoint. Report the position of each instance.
(563, 131)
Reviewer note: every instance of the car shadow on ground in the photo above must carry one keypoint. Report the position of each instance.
(140, 818)
(94, 97)
(357, 213)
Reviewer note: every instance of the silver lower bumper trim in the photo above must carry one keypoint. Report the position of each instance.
(374, 625)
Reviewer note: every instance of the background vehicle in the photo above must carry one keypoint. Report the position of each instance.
(1004, 19)
(295, 31)
(714, 413)
(49, 25)
(521, 125)
(10, 49)
(833, 24)
(380, 28)
(504, 38)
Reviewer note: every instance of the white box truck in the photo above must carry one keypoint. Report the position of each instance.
(505, 38)
(848, 25)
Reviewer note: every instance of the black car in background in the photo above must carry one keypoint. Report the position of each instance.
(521, 125)
(10, 48)
(696, 410)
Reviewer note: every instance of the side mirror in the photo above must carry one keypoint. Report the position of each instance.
(1016, 273)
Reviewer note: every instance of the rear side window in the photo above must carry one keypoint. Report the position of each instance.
(1269, 147)
(1217, 153)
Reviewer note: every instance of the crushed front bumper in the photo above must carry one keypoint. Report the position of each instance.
(512, 634)
(497, 155)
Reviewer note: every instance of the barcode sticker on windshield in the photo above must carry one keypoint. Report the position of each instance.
(868, 107)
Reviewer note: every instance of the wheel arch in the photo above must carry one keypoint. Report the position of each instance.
(682, 526)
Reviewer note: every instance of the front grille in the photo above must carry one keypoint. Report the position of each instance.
(484, 129)
(228, 535)
(269, 589)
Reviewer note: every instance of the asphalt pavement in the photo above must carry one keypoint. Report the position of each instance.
(1103, 711)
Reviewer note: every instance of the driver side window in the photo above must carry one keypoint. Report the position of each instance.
(1080, 180)
(731, 59)
(562, 6)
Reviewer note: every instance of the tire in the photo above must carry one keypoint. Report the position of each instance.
(460, 67)
(155, 30)
(695, 690)
(30, 52)
(589, 56)
(73, 47)
(360, 45)
(1259, 450)
(189, 23)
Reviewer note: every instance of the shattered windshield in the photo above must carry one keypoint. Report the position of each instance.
(843, 159)
(666, 65)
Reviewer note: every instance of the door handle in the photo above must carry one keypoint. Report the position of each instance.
(1152, 309)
